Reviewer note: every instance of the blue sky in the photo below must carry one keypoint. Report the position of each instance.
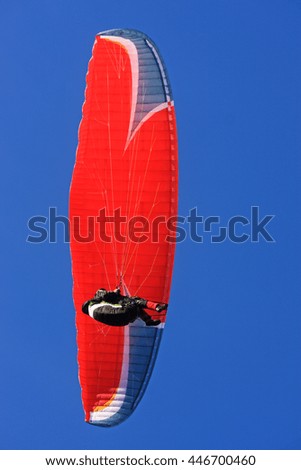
(228, 371)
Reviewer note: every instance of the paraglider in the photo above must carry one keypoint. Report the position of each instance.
(114, 309)
(122, 210)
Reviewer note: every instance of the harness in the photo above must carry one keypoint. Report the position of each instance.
(94, 306)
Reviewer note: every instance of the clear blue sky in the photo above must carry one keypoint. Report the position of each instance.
(228, 371)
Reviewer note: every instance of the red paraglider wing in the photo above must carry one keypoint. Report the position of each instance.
(123, 196)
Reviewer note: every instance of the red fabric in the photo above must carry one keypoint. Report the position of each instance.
(140, 179)
(151, 305)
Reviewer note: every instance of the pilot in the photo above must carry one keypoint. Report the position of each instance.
(115, 309)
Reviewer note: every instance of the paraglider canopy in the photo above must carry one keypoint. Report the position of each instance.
(123, 205)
